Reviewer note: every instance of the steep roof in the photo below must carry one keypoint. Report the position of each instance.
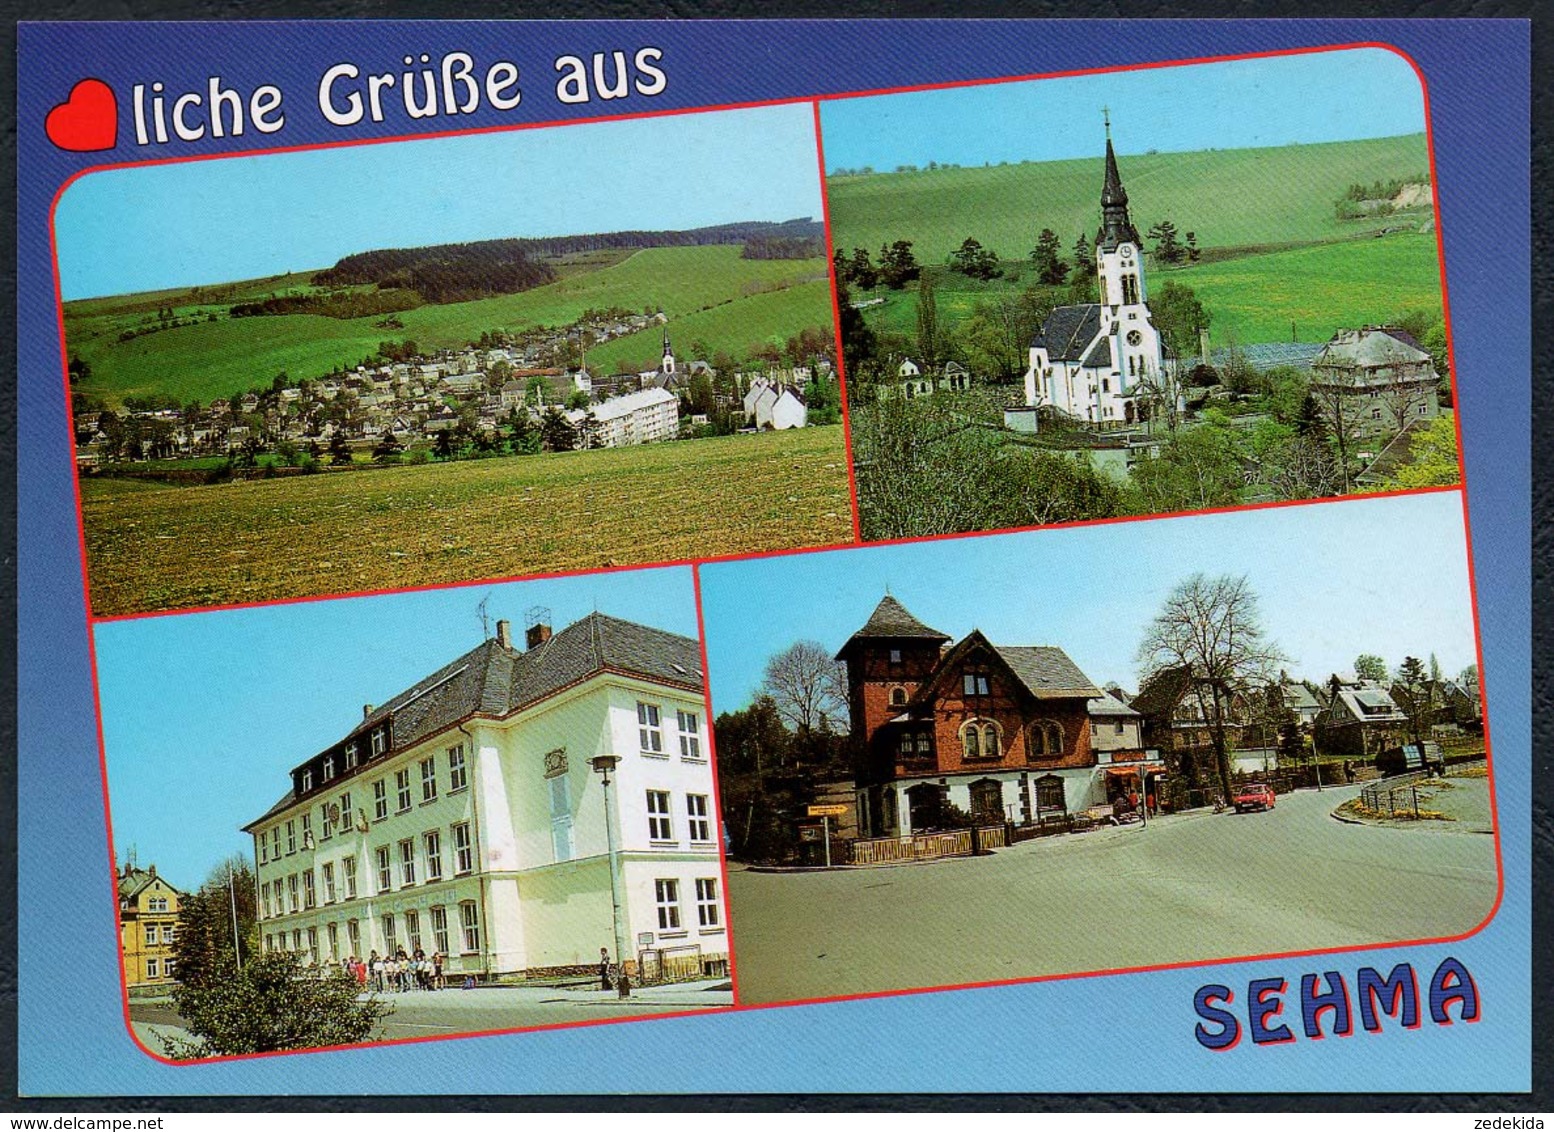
(495, 680)
(1163, 691)
(1047, 672)
(1068, 331)
(1369, 348)
(891, 621)
(133, 881)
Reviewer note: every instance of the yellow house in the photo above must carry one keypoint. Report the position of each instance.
(148, 926)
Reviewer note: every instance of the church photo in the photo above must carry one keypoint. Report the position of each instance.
(1140, 293)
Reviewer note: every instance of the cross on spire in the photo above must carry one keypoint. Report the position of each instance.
(1106, 117)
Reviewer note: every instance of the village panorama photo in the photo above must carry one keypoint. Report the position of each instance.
(1143, 292)
(1199, 738)
(420, 362)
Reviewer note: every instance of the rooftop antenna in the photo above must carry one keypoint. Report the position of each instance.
(536, 615)
(485, 618)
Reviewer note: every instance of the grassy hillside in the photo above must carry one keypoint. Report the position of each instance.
(1229, 197)
(765, 299)
(260, 540)
(1255, 297)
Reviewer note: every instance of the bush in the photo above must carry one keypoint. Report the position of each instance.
(270, 1005)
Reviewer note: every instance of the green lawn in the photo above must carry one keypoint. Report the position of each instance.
(730, 301)
(153, 547)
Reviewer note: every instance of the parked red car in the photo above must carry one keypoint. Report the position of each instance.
(1254, 796)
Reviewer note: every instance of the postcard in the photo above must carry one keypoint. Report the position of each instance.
(707, 557)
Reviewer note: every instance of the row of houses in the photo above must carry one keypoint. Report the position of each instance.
(1020, 734)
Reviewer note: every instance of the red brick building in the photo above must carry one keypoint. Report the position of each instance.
(998, 731)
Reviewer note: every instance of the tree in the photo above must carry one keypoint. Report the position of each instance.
(1168, 249)
(861, 271)
(898, 266)
(1179, 317)
(1212, 627)
(205, 940)
(976, 261)
(522, 437)
(442, 446)
(1342, 409)
(1368, 666)
(1433, 458)
(387, 449)
(808, 686)
(556, 432)
(339, 448)
(1196, 469)
(268, 1005)
(928, 344)
(1084, 258)
(1047, 255)
(1417, 692)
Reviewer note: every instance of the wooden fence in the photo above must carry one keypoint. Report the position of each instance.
(926, 846)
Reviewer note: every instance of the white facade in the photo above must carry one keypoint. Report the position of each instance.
(635, 418)
(487, 840)
(1083, 787)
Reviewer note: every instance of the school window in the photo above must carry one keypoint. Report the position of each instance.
(346, 820)
(291, 837)
(293, 900)
(307, 831)
(413, 929)
(690, 734)
(263, 846)
(167, 933)
(308, 895)
(974, 683)
(463, 852)
(167, 968)
(402, 788)
(428, 780)
(353, 932)
(269, 942)
(666, 894)
(333, 931)
(406, 863)
(469, 920)
(390, 939)
(649, 729)
(432, 844)
(307, 780)
(352, 756)
(456, 778)
(329, 882)
(275, 843)
(440, 928)
(660, 824)
(151, 968)
(150, 934)
(562, 845)
(696, 816)
(380, 799)
(379, 742)
(326, 827)
(385, 869)
(329, 768)
(348, 867)
(296, 939)
(313, 945)
(706, 902)
(264, 899)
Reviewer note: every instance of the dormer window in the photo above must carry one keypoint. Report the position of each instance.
(379, 741)
(329, 768)
(351, 756)
(307, 780)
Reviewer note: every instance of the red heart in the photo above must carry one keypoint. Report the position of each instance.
(87, 120)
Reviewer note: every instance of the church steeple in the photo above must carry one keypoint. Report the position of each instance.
(667, 365)
(1116, 227)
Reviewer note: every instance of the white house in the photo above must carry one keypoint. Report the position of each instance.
(1105, 363)
(776, 407)
(464, 815)
(634, 418)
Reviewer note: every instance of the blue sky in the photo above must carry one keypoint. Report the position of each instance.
(234, 218)
(201, 740)
(1328, 96)
(1385, 576)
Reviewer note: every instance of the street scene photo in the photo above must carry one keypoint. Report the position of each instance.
(1121, 747)
(471, 810)
(422, 362)
(1141, 292)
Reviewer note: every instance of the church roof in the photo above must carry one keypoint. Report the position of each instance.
(891, 621)
(1069, 331)
(1115, 224)
(1100, 355)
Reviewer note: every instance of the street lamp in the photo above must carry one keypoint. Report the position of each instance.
(603, 765)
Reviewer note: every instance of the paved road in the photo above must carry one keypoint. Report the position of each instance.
(1189, 887)
(419, 1014)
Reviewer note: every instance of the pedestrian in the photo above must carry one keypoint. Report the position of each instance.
(375, 966)
(1348, 772)
(604, 969)
(438, 982)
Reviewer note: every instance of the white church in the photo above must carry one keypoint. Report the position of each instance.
(1105, 364)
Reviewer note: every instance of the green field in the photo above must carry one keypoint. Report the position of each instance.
(1230, 197)
(152, 548)
(1253, 298)
(708, 292)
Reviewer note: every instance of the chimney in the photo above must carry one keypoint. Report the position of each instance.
(152, 870)
(366, 710)
(536, 635)
(504, 634)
